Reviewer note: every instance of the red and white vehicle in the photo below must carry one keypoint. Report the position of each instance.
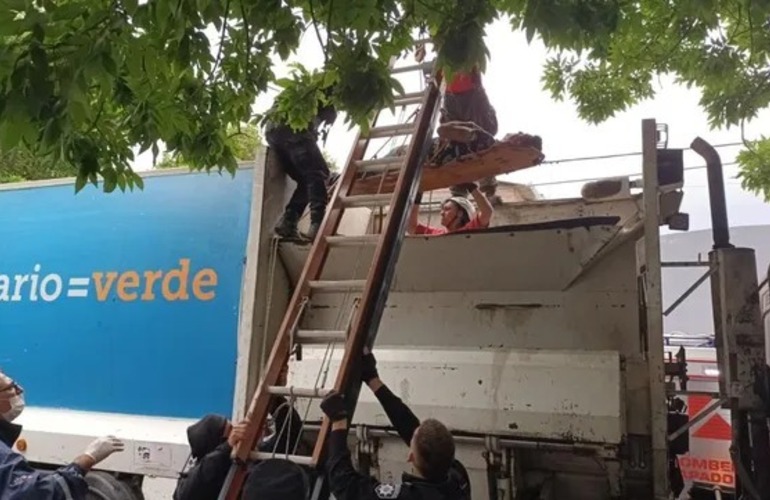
(708, 467)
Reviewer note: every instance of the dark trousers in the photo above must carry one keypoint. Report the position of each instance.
(472, 106)
(302, 160)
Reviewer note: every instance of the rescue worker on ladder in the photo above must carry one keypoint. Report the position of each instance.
(19, 481)
(465, 100)
(436, 475)
(303, 161)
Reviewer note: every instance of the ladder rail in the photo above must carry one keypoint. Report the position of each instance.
(373, 298)
(279, 354)
(375, 294)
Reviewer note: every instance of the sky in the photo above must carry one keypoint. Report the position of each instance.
(513, 84)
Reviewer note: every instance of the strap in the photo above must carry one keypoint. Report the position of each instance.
(63, 485)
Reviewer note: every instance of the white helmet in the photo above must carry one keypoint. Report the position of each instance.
(465, 204)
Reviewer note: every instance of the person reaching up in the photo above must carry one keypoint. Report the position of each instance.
(457, 214)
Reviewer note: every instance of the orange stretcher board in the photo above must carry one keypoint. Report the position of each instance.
(501, 158)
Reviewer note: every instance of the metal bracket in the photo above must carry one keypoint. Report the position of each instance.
(705, 412)
(690, 290)
(366, 450)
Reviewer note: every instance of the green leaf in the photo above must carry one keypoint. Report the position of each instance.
(80, 183)
(754, 162)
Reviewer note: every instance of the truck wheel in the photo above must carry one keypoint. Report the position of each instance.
(105, 486)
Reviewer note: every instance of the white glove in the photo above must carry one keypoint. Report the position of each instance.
(103, 447)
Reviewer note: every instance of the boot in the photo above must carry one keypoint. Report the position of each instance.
(312, 231)
(316, 218)
(287, 227)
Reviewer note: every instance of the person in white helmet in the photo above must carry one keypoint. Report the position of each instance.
(457, 214)
(18, 480)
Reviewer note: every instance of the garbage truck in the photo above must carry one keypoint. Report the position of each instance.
(135, 314)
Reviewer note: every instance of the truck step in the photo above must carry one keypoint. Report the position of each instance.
(297, 459)
(392, 130)
(299, 392)
(339, 241)
(409, 99)
(379, 165)
(337, 286)
(320, 336)
(366, 200)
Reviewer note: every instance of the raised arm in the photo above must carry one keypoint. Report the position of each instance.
(344, 481)
(485, 207)
(414, 215)
(401, 417)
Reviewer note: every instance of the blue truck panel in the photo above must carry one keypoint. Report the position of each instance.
(125, 303)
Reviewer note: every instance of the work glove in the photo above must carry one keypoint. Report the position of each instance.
(467, 186)
(368, 367)
(103, 447)
(333, 406)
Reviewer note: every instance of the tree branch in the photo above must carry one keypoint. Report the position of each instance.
(221, 44)
(246, 35)
(318, 32)
(328, 29)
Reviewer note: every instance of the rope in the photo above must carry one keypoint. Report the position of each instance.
(272, 259)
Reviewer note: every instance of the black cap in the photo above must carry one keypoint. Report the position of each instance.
(276, 479)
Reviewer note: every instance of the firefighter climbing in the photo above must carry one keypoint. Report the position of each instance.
(303, 161)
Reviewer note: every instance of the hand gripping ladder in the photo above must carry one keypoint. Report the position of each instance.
(373, 291)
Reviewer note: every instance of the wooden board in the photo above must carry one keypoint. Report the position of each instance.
(502, 158)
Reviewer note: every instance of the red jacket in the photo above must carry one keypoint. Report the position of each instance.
(464, 81)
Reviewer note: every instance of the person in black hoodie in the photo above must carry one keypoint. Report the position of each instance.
(211, 443)
(436, 474)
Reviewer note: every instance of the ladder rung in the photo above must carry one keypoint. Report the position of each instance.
(413, 67)
(409, 99)
(338, 286)
(379, 165)
(366, 200)
(352, 241)
(320, 336)
(391, 130)
(300, 392)
(297, 459)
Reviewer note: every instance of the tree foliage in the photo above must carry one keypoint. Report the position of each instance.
(20, 165)
(243, 141)
(85, 80)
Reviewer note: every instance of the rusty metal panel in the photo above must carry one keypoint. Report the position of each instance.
(739, 333)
